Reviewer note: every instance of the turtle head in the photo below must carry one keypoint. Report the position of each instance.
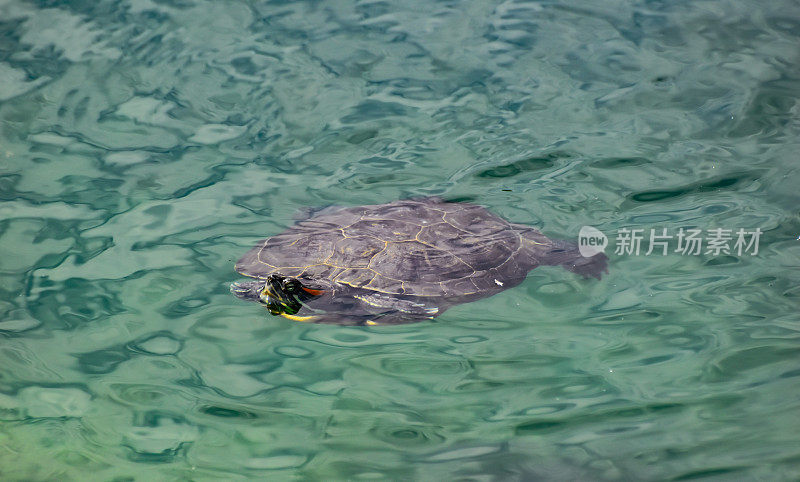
(284, 296)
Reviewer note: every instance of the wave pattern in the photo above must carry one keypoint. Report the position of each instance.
(144, 146)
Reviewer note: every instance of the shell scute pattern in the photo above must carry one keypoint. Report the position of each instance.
(459, 287)
(411, 248)
(299, 251)
(384, 229)
(415, 262)
(355, 277)
(355, 251)
(410, 211)
(385, 284)
(473, 219)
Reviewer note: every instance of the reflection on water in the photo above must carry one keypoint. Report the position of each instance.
(144, 146)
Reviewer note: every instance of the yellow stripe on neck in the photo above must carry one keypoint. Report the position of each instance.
(298, 318)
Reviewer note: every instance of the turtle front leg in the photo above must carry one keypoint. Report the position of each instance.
(390, 310)
(248, 289)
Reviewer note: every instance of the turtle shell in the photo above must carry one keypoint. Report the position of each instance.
(420, 248)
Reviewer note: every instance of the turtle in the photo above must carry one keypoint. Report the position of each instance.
(400, 262)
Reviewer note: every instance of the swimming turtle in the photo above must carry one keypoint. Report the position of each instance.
(400, 262)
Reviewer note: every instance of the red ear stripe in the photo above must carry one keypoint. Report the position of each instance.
(313, 292)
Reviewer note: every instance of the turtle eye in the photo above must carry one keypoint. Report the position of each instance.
(292, 286)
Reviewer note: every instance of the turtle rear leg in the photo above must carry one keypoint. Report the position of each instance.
(566, 254)
(545, 251)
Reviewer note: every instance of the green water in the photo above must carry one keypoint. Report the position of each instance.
(146, 144)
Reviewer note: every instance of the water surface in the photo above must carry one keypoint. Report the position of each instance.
(146, 145)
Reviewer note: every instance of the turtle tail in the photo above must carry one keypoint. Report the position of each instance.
(566, 254)
(558, 252)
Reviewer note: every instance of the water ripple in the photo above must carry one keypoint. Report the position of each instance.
(146, 145)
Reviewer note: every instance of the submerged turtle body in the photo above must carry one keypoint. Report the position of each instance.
(400, 262)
